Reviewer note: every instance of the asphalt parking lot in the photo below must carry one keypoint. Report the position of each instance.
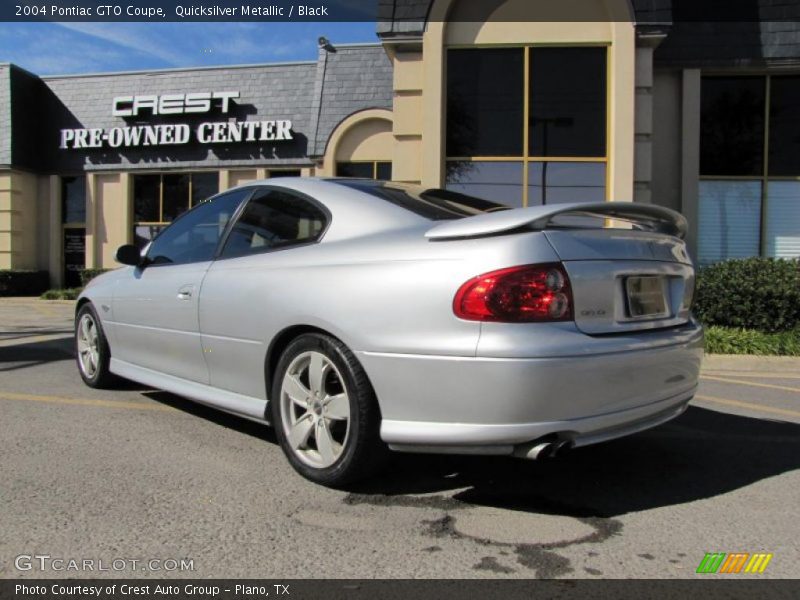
(141, 474)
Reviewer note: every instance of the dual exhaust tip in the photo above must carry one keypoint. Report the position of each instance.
(542, 449)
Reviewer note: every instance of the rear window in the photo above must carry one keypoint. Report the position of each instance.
(432, 204)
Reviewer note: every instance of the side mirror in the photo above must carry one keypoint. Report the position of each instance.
(128, 254)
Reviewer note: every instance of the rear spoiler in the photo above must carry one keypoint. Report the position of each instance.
(643, 216)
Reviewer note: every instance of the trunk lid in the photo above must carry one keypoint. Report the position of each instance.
(625, 280)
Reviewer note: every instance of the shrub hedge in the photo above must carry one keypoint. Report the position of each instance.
(729, 340)
(88, 274)
(761, 294)
(19, 282)
(62, 294)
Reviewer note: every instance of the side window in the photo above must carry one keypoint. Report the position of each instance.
(195, 235)
(274, 219)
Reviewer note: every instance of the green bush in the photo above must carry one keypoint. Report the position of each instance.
(762, 294)
(727, 340)
(88, 274)
(20, 282)
(65, 294)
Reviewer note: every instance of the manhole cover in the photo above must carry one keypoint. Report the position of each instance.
(515, 527)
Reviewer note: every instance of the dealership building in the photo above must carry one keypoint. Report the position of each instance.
(586, 101)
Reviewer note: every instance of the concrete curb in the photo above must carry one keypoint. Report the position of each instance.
(750, 363)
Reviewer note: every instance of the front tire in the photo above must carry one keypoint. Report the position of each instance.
(91, 349)
(325, 412)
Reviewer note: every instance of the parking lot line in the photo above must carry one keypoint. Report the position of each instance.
(753, 374)
(749, 405)
(86, 401)
(752, 383)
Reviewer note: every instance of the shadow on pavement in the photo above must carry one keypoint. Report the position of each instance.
(23, 355)
(701, 454)
(240, 424)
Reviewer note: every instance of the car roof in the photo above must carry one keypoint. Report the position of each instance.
(354, 213)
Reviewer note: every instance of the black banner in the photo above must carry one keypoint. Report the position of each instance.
(397, 11)
(346, 589)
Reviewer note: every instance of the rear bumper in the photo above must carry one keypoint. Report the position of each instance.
(494, 405)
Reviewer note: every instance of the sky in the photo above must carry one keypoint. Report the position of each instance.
(67, 48)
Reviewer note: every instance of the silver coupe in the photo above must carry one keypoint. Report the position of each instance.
(358, 316)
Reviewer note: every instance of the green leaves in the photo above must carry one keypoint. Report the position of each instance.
(728, 340)
(760, 294)
(88, 274)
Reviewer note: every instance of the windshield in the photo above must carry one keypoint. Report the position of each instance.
(433, 204)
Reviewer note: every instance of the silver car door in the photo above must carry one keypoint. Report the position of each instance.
(238, 302)
(155, 309)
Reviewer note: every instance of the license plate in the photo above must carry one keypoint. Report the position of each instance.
(646, 297)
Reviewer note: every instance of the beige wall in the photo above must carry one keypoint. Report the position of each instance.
(676, 144)
(368, 140)
(238, 177)
(408, 109)
(108, 217)
(365, 135)
(666, 182)
(18, 220)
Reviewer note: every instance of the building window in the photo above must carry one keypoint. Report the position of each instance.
(158, 199)
(520, 131)
(73, 199)
(368, 169)
(285, 173)
(73, 217)
(749, 200)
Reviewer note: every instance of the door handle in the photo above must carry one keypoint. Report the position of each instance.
(185, 293)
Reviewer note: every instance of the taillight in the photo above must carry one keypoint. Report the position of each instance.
(530, 293)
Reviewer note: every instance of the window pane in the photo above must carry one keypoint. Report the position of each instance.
(567, 115)
(146, 198)
(784, 126)
(732, 126)
(194, 237)
(285, 173)
(485, 102)
(144, 234)
(204, 185)
(355, 169)
(728, 220)
(384, 170)
(565, 182)
(274, 219)
(783, 219)
(433, 204)
(496, 181)
(176, 196)
(73, 199)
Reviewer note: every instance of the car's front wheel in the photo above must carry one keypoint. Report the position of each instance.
(325, 412)
(91, 349)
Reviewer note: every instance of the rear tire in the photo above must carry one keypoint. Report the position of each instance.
(325, 412)
(91, 349)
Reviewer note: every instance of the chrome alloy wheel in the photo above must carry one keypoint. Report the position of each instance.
(88, 345)
(315, 409)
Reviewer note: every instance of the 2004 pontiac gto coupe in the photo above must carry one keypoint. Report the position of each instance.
(355, 315)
